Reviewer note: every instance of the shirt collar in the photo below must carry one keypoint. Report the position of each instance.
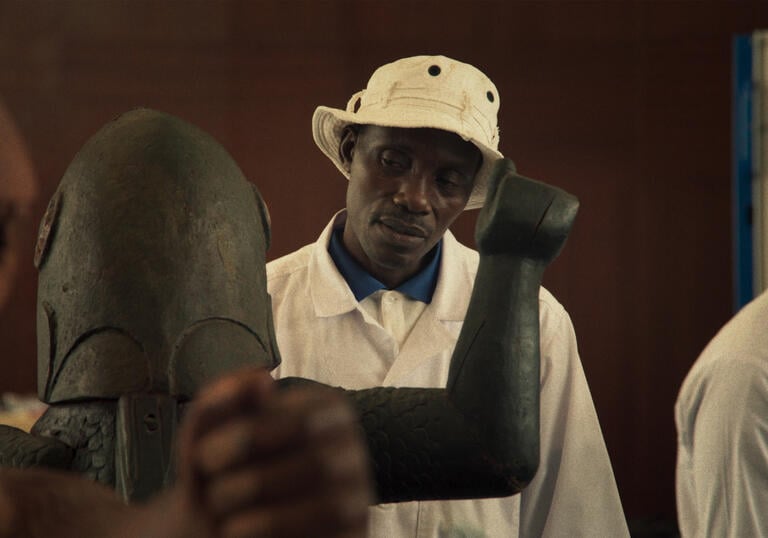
(421, 286)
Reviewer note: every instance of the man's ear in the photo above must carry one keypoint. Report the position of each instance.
(347, 146)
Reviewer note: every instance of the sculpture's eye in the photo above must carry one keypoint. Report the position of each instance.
(210, 348)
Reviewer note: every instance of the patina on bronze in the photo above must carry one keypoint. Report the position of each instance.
(152, 283)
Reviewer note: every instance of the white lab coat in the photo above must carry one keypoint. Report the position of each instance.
(721, 415)
(324, 334)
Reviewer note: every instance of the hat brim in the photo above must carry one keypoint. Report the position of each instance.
(329, 123)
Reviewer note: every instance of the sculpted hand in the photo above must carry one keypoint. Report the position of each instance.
(259, 461)
(524, 217)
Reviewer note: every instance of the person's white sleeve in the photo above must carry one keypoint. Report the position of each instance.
(574, 491)
(727, 460)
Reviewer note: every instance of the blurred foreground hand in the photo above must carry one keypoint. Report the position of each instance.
(253, 461)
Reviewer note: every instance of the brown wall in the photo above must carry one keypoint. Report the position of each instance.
(624, 103)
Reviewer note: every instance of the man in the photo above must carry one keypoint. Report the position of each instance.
(380, 298)
(722, 432)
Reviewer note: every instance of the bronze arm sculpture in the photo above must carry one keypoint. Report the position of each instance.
(479, 437)
(152, 283)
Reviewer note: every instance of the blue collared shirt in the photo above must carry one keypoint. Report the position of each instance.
(420, 286)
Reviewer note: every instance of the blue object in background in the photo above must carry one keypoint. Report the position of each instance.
(743, 255)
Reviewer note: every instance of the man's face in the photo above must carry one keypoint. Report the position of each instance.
(406, 187)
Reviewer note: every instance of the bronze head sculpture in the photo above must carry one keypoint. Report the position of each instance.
(137, 295)
(151, 264)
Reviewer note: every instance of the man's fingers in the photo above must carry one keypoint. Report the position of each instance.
(320, 468)
(263, 462)
(234, 395)
(241, 392)
(288, 421)
(245, 440)
(296, 467)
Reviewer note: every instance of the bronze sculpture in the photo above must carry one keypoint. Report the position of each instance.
(151, 259)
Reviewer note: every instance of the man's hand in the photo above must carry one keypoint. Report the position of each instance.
(254, 461)
(262, 462)
(39, 503)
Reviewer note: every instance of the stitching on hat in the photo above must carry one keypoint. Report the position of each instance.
(404, 93)
(390, 91)
(474, 113)
(466, 108)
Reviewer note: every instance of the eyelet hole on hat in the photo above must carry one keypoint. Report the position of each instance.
(489, 95)
(434, 70)
(356, 106)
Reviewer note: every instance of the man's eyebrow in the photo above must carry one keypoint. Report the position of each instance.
(403, 148)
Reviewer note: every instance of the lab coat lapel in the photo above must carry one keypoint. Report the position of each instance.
(436, 330)
(330, 293)
(428, 339)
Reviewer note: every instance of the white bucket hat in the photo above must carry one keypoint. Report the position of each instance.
(421, 91)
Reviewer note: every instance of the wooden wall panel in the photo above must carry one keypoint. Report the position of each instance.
(626, 104)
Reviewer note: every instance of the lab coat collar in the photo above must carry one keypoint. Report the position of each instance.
(421, 286)
(458, 267)
(431, 336)
(331, 295)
